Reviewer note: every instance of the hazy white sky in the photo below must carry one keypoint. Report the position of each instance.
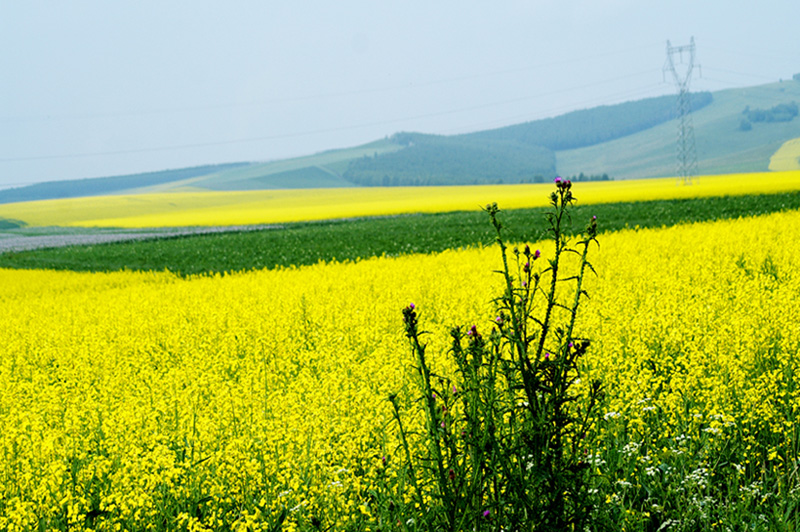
(95, 88)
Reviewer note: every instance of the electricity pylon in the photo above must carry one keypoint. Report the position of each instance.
(687, 154)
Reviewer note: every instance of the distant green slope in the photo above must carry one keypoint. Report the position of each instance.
(439, 160)
(629, 140)
(513, 154)
(77, 188)
(589, 127)
(321, 170)
(722, 147)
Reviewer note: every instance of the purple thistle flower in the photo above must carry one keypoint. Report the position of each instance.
(486, 513)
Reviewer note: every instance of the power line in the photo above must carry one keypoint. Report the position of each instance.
(687, 154)
(317, 131)
(555, 111)
(320, 96)
(770, 78)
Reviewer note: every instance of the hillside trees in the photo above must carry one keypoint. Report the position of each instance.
(521, 153)
(783, 112)
(438, 160)
(593, 126)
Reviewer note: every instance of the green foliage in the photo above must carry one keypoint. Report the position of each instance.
(515, 154)
(628, 140)
(505, 440)
(593, 126)
(309, 243)
(581, 177)
(721, 146)
(78, 188)
(440, 160)
(8, 223)
(305, 177)
(783, 112)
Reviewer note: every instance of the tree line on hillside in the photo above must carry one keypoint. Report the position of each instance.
(439, 160)
(523, 153)
(783, 112)
(587, 127)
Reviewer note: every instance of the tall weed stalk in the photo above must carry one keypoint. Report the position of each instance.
(505, 440)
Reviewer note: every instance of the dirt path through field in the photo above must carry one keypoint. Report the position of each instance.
(58, 237)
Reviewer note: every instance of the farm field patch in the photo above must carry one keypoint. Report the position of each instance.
(787, 157)
(147, 399)
(305, 243)
(279, 206)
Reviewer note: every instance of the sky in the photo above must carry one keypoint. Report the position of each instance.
(99, 88)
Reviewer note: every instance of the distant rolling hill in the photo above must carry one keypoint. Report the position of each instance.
(736, 130)
(724, 142)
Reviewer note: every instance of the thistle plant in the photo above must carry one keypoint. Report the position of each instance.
(505, 439)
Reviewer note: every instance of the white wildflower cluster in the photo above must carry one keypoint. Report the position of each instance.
(754, 489)
(595, 460)
(654, 470)
(702, 504)
(669, 524)
(698, 477)
(611, 415)
(298, 507)
(631, 448)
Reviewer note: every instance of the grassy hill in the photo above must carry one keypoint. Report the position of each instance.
(736, 130)
(321, 170)
(76, 188)
(722, 146)
(441, 160)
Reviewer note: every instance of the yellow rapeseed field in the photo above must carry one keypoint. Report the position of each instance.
(787, 157)
(276, 206)
(144, 400)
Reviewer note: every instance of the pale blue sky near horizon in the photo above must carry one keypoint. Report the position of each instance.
(94, 88)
